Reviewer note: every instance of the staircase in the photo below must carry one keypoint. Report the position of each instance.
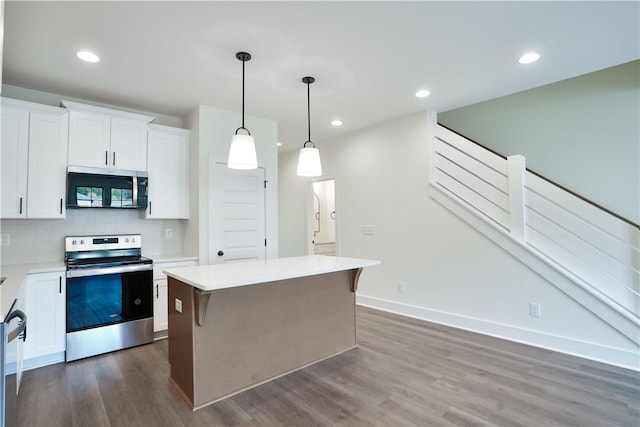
(591, 254)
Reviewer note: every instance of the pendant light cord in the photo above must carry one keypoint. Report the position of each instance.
(309, 112)
(244, 57)
(243, 94)
(308, 80)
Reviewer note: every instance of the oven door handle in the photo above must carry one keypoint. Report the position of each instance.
(84, 272)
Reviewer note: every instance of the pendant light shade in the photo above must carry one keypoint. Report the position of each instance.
(309, 162)
(309, 158)
(242, 152)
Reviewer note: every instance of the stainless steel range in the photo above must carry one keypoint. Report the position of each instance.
(109, 294)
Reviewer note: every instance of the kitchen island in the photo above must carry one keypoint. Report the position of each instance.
(235, 326)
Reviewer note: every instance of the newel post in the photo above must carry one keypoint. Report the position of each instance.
(516, 169)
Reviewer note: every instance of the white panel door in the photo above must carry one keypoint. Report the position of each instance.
(237, 214)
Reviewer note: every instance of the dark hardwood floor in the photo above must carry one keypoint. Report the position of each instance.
(405, 373)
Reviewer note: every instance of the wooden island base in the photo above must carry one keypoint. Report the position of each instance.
(249, 335)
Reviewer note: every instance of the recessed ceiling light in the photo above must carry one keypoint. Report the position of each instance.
(87, 56)
(336, 122)
(528, 58)
(422, 93)
(279, 144)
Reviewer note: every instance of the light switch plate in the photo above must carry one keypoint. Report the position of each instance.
(178, 305)
(367, 230)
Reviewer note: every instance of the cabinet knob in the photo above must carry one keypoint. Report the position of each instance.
(220, 253)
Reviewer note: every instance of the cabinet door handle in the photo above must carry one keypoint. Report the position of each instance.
(106, 158)
(149, 208)
(60, 285)
(114, 158)
(61, 206)
(21, 205)
(157, 293)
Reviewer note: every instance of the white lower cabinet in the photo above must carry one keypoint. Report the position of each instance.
(160, 306)
(45, 308)
(160, 292)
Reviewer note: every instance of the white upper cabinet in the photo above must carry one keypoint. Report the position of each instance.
(168, 157)
(128, 144)
(34, 160)
(47, 177)
(89, 139)
(104, 138)
(15, 149)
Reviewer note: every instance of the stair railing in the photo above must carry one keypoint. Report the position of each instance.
(594, 247)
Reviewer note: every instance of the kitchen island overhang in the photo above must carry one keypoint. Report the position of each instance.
(235, 326)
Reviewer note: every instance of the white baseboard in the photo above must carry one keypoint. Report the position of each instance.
(587, 350)
(39, 362)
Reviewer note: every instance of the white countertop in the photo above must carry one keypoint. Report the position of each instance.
(15, 275)
(222, 276)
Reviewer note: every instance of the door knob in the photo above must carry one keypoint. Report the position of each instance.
(220, 253)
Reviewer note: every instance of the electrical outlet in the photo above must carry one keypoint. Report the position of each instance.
(168, 233)
(5, 239)
(535, 310)
(178, 305)
(402, 288)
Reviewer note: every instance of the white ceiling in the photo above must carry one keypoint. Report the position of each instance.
(368, 58)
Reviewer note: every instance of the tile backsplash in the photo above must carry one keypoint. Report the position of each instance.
(35, 241)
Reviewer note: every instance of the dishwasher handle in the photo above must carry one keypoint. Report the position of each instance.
(20, 329)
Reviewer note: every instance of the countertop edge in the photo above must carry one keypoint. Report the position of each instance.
(176, 258)
(186, 274)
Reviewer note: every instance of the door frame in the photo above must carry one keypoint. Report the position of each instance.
(310, 212)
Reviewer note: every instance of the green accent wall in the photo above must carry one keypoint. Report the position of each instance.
(583, 133)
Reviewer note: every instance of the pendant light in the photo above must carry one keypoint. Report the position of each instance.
(309, 159)
(242, 153)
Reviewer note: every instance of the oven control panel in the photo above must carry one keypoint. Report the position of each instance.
(92, 243)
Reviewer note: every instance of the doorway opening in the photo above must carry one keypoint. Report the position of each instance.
(323, 236)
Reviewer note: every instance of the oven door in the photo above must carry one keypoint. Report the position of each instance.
(95, 300)
(110, 311)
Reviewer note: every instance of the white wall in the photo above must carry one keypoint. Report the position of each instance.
(453, 274)
(212, 129)
(583, 133)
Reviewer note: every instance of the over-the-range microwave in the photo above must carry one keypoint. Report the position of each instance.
(106, 188)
